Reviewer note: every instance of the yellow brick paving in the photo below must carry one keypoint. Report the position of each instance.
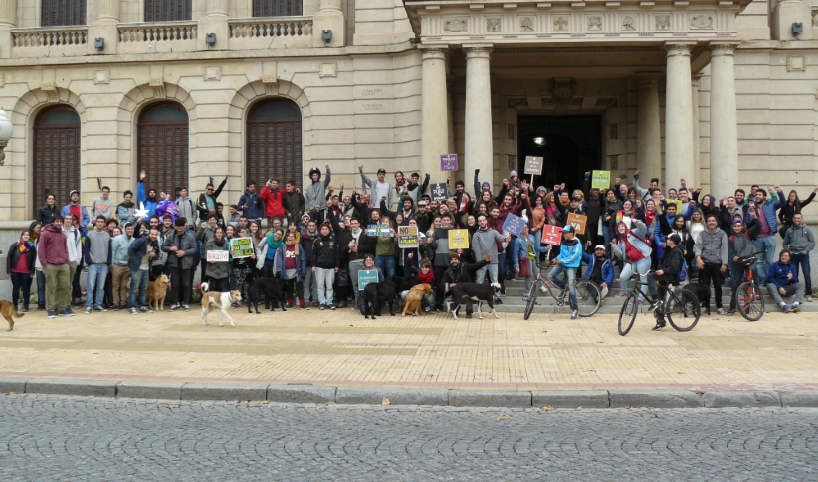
(547, 352)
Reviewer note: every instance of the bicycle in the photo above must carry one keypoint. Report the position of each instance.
(680, 302)
(749, 298)
(588, 294)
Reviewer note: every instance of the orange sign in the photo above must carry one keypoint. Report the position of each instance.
(578, 222)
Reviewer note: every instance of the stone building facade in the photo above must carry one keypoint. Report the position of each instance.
(718, 92)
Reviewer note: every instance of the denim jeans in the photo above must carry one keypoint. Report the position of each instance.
(502, 267)
(139, 282)
(642, 266)
(310, 291)
(492, 268)
(324, 277)
(765, 259)
(737, 273)
(40, 289)
(802, 260)
(511, 248)
(20, 281)
(571, 275)
(386, 264)
(96, 284)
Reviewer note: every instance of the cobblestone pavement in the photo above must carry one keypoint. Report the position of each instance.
(48, 437)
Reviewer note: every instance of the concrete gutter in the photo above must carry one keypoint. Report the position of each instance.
(571, 399)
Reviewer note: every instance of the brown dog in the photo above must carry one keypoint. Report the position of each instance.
(7, 308)
(157, 290)
(414, 299)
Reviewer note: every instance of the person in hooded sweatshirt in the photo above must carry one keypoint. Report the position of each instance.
(325, 265)
(77, 209)
(53, 255)
(150, 202)
(314, 193)
(782, 280)
(568, 261)
(740, 245)
(250, 203)
(484, 244)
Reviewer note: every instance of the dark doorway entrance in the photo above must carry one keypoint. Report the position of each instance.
(569, 146)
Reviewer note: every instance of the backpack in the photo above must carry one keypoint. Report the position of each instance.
(683, 271)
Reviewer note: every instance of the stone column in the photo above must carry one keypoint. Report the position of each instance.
(678, 116)
(8, 20)
(329, 17)
(214, 22)
(723, 137)
(434, 124)
(217, 8)
(107, 11)
(479, 152)
(649, 136)
(697, 144)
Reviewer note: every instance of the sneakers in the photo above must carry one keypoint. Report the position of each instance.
(100, 309)
(575, 315)
(40, 308)
(88, 310)
(731, 312)
(304, 306)
(621, 295)
(173, 307)
(655, 304)
(51, 314)
(808, 298)
(498, 301)
(604, 292)
(468, 315)
(67, 312)
(133, 311)
(331, 306)
(721, 311)
(795, 308)
(784, 307)
(342, 304)
(659, 325)
(320, 307)
(187, 307)
(145, 309)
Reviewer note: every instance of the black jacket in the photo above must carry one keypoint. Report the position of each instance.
(201, 206)
(464, 273)
(789, 210)
(344, 237)
(46, 215)
(325, 252)
(14, 256)
(672, 262)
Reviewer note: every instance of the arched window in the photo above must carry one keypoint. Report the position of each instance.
(274, 141)
(60, 13)
(163, 147)
(168, 10)
(56, 154)
(277, 8)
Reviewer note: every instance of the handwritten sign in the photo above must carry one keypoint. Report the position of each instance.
(578, 221)
(513, 225)
(458, 239)
(242, 247)
(366, 276)
(408, 236)
(218, 255)
(448, 162)
(551, 235)
(439, 191)
(378, 231)
(600, 179)
(533, 165)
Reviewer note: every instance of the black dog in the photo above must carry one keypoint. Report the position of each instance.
(702, 292)
(375, 295)
(479, 292)
(266, 288)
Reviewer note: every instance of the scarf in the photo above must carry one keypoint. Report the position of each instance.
(127, 204)
(24, 247)
(218, 243)
(296, 245)
(427, 278)
(649, 217)
(356, 234)
(272, 246)
(34, 237)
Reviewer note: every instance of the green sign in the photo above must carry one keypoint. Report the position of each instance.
(366, 276)
(600, 179)
(378, 231)
(242, 247)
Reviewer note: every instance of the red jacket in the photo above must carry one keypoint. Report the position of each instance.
(53, 247)
(273, 202)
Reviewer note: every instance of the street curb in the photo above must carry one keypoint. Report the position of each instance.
(567, 399)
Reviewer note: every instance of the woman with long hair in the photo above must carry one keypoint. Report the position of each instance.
(611, 205)
(386, 248)
(792, 207)
(21, 267)
(217, 272)
(629, 246)
(292, 268)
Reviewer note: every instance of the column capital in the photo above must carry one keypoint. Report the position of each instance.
(433, 52)
(722, 48)
(648, 78)
(696, 77)
(679, 48)
(474, 51)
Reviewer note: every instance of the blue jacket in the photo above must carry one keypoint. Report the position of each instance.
(255, 206)
(300, 262)
(570, 253)
(607, 268)
(777, 274)
(119, 249)
(85, 221)
(140, 196)
(138, 249)
(521, 248)
(769, 208)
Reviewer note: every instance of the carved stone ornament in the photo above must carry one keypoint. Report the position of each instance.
(594, 23)
(663, 22)
(455, 25)
(494, 24)
(561, 24)
(213, 73)
(526, 24)
(701, 22)
(627, 23)
(562, 91)
(102, 76)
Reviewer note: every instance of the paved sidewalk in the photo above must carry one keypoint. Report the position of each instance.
(340, 348)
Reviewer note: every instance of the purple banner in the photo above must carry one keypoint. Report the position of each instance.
(448, 162)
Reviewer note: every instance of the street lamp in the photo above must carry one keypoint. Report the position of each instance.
(6, 130)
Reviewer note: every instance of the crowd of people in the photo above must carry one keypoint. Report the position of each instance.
(316, 241)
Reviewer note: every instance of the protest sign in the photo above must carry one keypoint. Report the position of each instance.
(600, 179)
(677, 203)
(439, 191)
(378, 230)
(533, 165)
(242, 247)
(458, 239)
(408, 236)
(551, 235)
(448, 162)
(513, 225)
(366, 276)
(218, 255)
(578, 221)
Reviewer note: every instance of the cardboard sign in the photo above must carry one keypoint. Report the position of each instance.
(533, 165)
(218, 255)
(378, 231)
(551, 235)
(458, 239)
(448, 162)
(578, 221)
(408, 236)
(439, 191)
(366, 276)
(600, 179)
(242, 247)
(677, 203)
(514, 225)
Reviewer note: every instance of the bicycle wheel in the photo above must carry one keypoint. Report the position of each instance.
(532, 298)
(627, 315)
(750, 301)
(588, 298)
(685, 307)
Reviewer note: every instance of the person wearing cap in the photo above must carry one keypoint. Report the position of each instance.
(740, 245)
(120, 273)
(77, 209)
(668, 272)
(600, 270)
(314, 193)
(567, 262)
(380, 187)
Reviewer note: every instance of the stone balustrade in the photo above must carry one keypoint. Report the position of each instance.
(49, 41)
(157, 36)
(278, 32)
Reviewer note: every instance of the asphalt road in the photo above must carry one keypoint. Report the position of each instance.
(49, 437)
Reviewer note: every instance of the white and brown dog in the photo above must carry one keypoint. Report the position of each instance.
(218, 300)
